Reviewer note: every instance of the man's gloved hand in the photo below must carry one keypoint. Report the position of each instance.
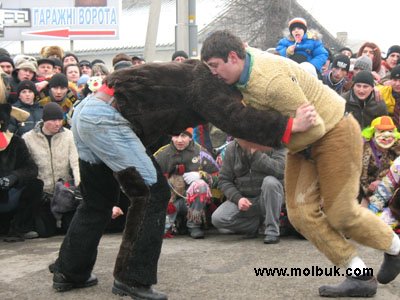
(189, 177)
(7, 182)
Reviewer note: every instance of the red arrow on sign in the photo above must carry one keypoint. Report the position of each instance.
(65, 33)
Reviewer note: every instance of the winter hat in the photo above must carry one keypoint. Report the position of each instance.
(363, 63)
(58, 80)
(297, 22)
(393, 49)
(58, 63)
(179, 53)
(4, 52)
(188, 131)
(5, 58)
(45, 61)
(364, 77)
(122, 65)
(52, 111)
(97, 61)
(25, 64)
(85, 62)
(395, 73)
(52, 51)
(341, 61)
(26, 85)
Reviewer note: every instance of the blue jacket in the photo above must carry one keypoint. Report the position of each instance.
(36, 113)
(311, 47)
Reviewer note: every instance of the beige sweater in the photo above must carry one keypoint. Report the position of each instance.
(280, 83)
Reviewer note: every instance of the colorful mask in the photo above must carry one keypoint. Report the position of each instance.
(384, 138)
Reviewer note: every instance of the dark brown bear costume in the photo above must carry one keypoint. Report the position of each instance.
(166, 98)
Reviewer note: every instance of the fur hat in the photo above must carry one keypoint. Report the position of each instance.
(297, 22)
(58, 80)
(5, 58)
(393, 49)
(26, 85)
(179, 53)
(52, 51)
(364, 77)
(52, 111)
(341, 61)
(363, 63)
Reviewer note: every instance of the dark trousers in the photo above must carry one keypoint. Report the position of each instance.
(139, 252)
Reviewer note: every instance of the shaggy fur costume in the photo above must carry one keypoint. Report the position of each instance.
(166, 98)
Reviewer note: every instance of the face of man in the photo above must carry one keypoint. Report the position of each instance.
(27, 96)
(51, 127)
(395, 85)
(7, 67)
(86, 70)
(227, 71)
(338, 74)
(25, 74)
(45, 70)
(59, 92)
(392, 59)
(179, 59)
(181, 142)
(384, 138)
(362, 90)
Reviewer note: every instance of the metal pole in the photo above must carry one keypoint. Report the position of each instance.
(152, 28)
(181, 27)
(193, 43)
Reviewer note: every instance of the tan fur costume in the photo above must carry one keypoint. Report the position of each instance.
(331, 176)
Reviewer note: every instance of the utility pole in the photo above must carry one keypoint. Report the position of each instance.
(152, 28)
(186, 28)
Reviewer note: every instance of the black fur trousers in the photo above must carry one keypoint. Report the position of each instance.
(141, 243)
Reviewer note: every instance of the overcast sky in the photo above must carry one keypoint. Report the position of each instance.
(377, 22)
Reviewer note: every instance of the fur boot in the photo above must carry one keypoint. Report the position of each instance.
(141, 245)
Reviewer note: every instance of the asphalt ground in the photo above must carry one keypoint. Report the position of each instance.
(218, 267)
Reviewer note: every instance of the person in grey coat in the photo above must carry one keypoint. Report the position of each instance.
(252, 181)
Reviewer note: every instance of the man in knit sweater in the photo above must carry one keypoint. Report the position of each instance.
(319, 169)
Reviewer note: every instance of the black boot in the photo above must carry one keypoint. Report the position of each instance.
(390, 268)
(62, 284)
(351, 287)
(137, 292)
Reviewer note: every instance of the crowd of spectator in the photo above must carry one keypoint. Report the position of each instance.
(231, 185)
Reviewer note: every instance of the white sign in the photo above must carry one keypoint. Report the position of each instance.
(71, 19)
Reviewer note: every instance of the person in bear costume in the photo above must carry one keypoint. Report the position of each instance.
(322, 176)
(110, 128)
